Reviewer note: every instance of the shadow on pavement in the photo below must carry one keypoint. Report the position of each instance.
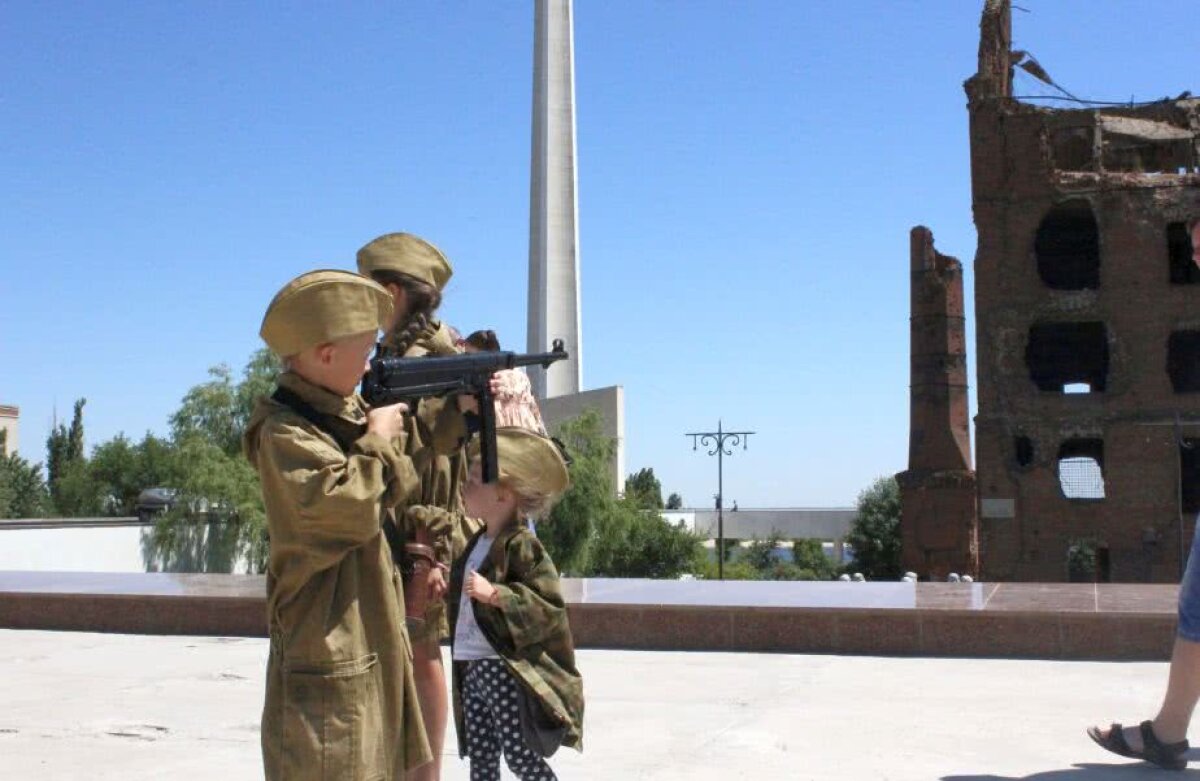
(1094, 772)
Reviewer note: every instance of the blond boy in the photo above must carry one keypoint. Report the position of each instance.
(340, 701)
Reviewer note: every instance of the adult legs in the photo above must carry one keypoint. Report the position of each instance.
(1183, 692)
(1183, 681)
(430, 677)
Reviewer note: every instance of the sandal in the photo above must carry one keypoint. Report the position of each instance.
(1168, 756)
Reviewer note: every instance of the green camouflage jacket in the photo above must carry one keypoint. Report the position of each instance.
(529, 629)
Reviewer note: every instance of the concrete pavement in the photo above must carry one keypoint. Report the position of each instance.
(93, 706)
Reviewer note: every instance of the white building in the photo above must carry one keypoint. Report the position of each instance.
(8, 424)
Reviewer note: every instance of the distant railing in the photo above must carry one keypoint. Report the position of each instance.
(72, 523)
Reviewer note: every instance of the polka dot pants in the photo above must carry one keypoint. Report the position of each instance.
(494, 724)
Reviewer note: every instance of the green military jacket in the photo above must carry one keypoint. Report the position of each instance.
(529, 629)
(340, 700)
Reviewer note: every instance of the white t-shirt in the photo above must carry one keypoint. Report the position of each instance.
(469, 642)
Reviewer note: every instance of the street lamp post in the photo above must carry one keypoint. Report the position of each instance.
(717, 441)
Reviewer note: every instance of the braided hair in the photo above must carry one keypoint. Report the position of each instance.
(423, 300)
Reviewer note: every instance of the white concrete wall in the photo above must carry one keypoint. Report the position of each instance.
(610, 402)
(829, 524)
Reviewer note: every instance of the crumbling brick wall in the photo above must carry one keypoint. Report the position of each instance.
(1087, 327)
(938, 526)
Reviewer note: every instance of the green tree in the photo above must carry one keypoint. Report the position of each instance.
(218, 522)
(737, 570)
(124, 469)
(76, 494)
(875, 533)
(568, 532)
(65, 473)
(23, 492)
(674, 502)
(760, 554)
(644, 490)
(219, 410)
(732, 546)
(635, 543)
(592, 532)
(258, 379)
(209, 412)
(810, 560)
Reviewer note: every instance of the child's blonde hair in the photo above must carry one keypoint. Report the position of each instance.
(532, 503)
(532, 467)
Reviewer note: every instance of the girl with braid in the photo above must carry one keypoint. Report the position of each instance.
(415, 272)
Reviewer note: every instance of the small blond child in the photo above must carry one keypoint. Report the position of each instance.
(516, 688)
(340, 701)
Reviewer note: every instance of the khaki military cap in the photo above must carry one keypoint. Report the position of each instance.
(323, 306)
(529, 457)
(406, 254)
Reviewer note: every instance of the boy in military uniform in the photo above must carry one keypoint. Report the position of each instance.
(517, 691)
(340, 699)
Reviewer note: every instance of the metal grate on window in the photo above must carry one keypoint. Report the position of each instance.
(1081, 478)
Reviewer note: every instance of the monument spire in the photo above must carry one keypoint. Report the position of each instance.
(553, 203)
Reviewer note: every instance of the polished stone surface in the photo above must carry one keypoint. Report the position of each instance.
(998, 597)
(1054, 621)
(743, 593)
(133, 584)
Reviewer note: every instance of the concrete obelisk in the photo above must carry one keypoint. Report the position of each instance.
(553, 204)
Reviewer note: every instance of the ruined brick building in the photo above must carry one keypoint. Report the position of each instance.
(1087, 310)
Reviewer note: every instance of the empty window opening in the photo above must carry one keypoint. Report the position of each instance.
(1068, 355)
(1189, 477)
(1183, 361)
(1081, 468)
(1067, 247)
(1179, 254)
(1074, 149)
(1023, 446)
(1143, 146)
(1103, 565)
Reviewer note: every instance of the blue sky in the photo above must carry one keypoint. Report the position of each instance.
(748, 175)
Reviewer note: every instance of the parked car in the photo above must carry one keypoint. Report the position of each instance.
(152, 502)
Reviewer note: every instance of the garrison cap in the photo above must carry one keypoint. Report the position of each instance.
(406, 254)
(530, 458)
(323, 306)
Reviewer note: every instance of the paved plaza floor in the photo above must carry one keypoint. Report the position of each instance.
(92, 706)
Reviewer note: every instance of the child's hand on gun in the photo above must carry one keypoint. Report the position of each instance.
(479, 589)
(387, 422)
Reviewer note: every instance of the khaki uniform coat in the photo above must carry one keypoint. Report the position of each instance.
(439, 423)
(340, 700)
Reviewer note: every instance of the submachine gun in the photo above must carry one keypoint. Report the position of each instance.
(393, 380)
